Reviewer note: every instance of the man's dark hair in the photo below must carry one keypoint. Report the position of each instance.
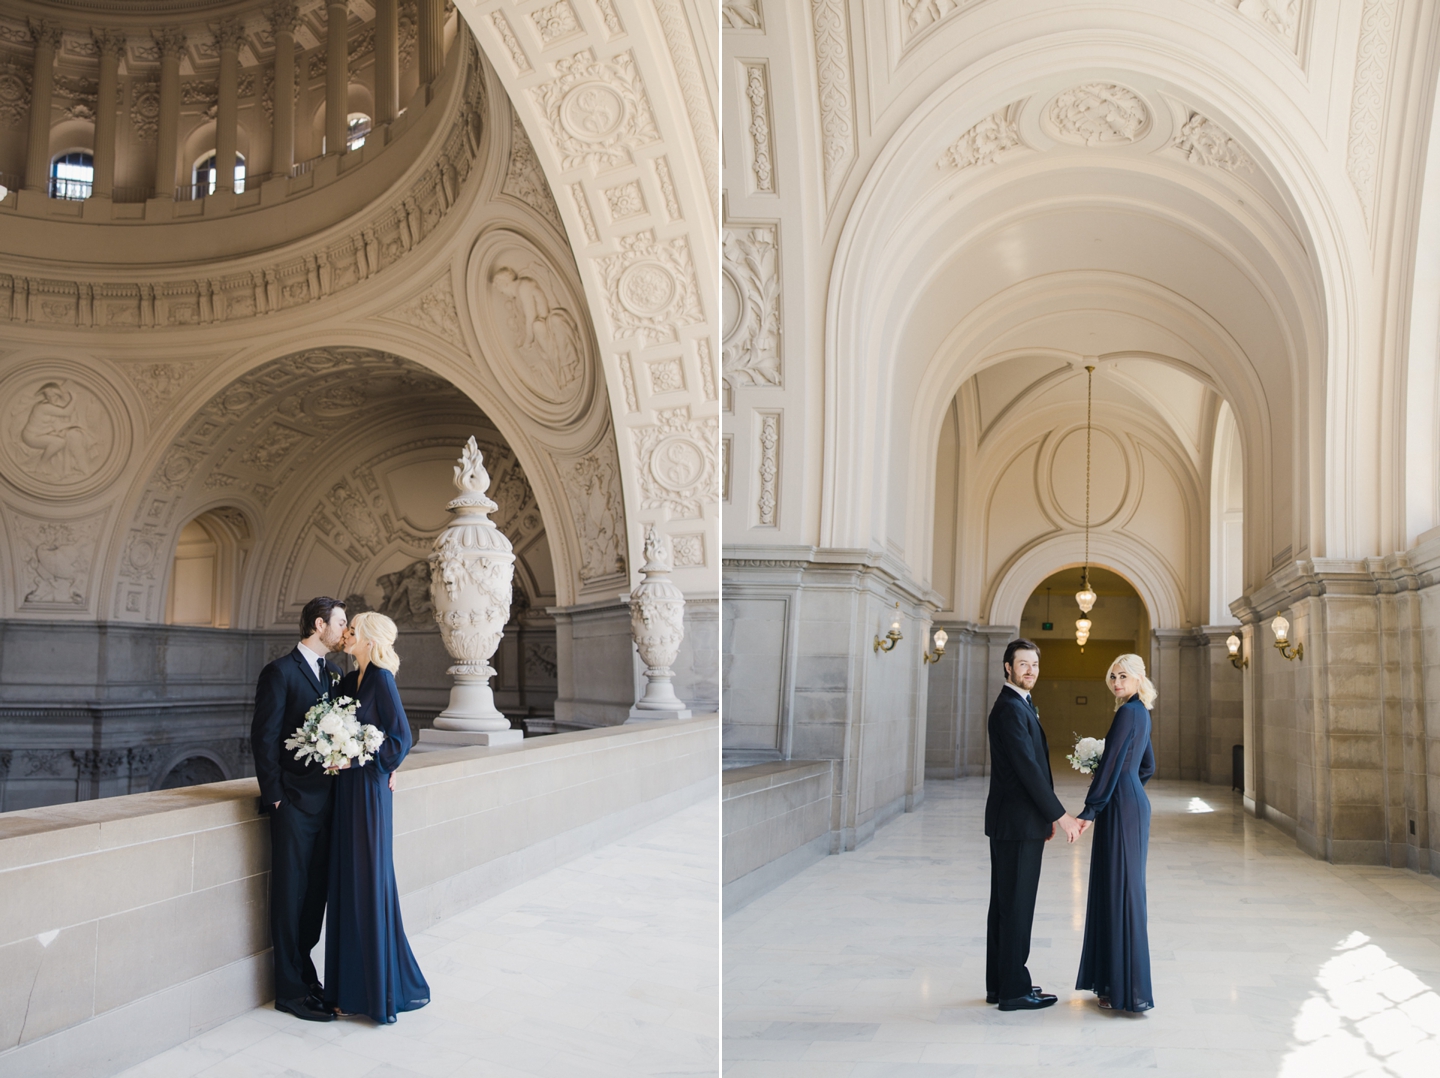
(322, 606)
(1019, 645)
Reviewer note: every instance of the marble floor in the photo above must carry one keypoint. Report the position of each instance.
(1265, 962)
(607, 966)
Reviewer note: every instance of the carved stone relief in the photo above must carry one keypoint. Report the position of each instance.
(555, 22)
(667, 188)
(145, 109)
(512, 46)
(707, 367)
(625, 201)
(613, 28)
(582, 207)
(917, 16)
(1367, 106)
(1098, 114)
(433, 311)
(650, 287)
(689, 549)
(986, 142)
(63, 432)
(524, 178)
(740, 15)
(837, 124)
(14, 95)
(597, 111)
(1204, 142)
(678, 465)
(762, 151)
(750, 306)
(592, 486)
(627, 379)
(531, 323)
(55, 560)
(767, 503)
(1280, 17)
(666, 376)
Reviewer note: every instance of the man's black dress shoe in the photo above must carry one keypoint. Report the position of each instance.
(309, 1008)
(1033, 1002)
(992, 997)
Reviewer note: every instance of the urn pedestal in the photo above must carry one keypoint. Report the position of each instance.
(657, 622)
(471, 568)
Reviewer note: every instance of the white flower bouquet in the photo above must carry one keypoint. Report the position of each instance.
(1086, 757)
(331, 736)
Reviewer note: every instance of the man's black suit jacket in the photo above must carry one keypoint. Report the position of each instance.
(287, 689)
(1022, 802)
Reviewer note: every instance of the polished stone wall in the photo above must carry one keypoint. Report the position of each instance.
(776, 820)
(802, 680)
(134, 923)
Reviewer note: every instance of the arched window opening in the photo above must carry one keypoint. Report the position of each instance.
(205, 175)
(357, 127)
(205, 575)
(192, 771)
(1227, 519)
(72, 175)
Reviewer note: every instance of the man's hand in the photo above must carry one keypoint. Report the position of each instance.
(1051, 834)
(277, 805)
(1070, 825)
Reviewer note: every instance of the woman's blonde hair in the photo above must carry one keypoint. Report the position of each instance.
(380, 632)
(1135, 667)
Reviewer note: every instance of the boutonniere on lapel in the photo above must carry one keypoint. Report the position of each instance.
(334, 679)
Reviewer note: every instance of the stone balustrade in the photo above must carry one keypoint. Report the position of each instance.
(133, 923)
(778, 819)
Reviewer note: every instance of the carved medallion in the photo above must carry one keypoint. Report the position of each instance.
(678, 462)
(55, 561)
(532, 326)
(1098, 114)
(62, 433)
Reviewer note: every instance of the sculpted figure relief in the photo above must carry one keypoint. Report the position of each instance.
(539, 326)
(58, 437)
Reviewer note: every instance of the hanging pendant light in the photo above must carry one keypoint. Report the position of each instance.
(1085, 597)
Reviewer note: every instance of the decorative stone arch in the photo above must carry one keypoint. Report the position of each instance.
(621, 110)
(186, 754)
(884, 222)
(1122, 554)
(231, 531)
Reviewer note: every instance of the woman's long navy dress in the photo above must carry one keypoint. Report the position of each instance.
(1115, 958)
(369, 967)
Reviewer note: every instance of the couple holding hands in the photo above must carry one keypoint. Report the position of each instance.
(1022, 813)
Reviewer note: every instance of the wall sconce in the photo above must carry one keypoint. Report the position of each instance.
(893, 637)
(941, 639)
(1281, 628)
(1232, 644)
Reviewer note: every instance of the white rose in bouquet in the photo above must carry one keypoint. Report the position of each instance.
(333, 738)
(332, 724)
(1086, 756)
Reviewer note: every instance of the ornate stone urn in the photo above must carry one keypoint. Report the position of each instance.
(657, 622)
(470, 572)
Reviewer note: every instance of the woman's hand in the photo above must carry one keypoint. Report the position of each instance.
(1085, 825)
(392, 782)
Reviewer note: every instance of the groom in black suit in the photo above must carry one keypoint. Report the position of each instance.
(299, 798)
(1021, 815)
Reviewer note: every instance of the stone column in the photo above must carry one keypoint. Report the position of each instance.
(337, 76)
(431, 43)
(111, 44)
(657, 622)
(46, 36)
(171, 45)
(284, 18)
(227, 111)
(471, 569)
(387, 62)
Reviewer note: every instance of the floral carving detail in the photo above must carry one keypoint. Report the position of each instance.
(145, 109)
(434, 311)
(769, 469)
(627, 378)
(917, 16)
(1098, 114)
(666, 376)
(159, 383)
(678, 461)
(625, 201)
(507, 35)
(524, 178)
(1204, 142)
(555, 21)
(667, 188)
(582, 206)
(689, 549)
(984, 143)
(612, 19)
(750, 297)
(757, 92)
(650, 287)
(1281, 17)
(596, 110)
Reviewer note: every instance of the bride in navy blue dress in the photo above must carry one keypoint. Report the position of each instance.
(1115, 957)
(369, 967)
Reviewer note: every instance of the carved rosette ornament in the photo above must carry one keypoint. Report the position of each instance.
(470, 576)
(657, 622)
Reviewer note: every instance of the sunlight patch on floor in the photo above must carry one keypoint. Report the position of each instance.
(1372, 1016)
